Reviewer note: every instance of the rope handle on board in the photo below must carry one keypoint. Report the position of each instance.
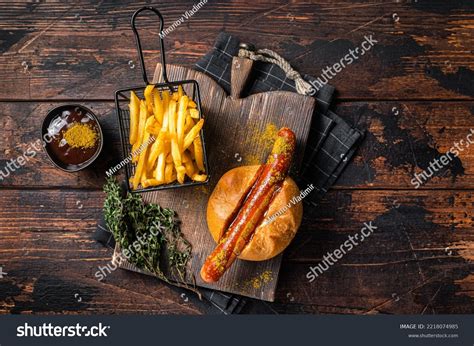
(267, 55)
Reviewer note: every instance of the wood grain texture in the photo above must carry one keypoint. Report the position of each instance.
(412, 92)
(419, 260)
(241, 68)
(402, 139)
(423, 49)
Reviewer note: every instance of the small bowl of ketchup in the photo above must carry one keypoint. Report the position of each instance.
(72, 137)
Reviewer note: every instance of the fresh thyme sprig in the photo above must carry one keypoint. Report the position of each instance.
(150, 233)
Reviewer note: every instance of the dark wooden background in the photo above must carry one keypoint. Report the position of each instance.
(413, 92)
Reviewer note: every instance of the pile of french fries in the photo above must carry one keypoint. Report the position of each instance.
(177, 151)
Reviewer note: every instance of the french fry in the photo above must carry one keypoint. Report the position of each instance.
(151, 182)
(172, 178)
(191, 150)
(178, 164)
(172, 117)
(141, 124)
(160, 165)
(157, 148)
(200, 177)
(134, 117)
(169, 158)
(180, 91)
(175, 151)
(140, 131)
(134, 150)
(180, 174)
(145, 172)
(165, 95)
(175, 96)
(185, 156)
(160, 168)
(188, 140)
(138, 173)
(168, 172)
(153, 127)
(163, 135)
(194, 113)
(183, 106)
(192, 104)
(143, 178)
(165, 126)
(154, 153)
(190, 169)
(149, 97)
(189, 123)
(141, 161)
(198, 153)
(158, 109)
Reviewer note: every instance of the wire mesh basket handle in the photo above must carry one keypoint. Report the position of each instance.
(139, 46)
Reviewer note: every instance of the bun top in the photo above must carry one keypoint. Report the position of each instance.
(280, 223)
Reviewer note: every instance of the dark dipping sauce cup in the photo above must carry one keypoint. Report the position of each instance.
(61, 154)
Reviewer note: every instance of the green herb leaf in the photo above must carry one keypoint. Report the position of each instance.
(150, 233)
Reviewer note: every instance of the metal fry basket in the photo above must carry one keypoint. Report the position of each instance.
(122, 100)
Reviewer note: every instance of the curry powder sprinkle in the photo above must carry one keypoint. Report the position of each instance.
(263, 140)
(260, 281)
(80, 136)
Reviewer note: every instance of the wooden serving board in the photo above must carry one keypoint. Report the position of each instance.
(238, 131)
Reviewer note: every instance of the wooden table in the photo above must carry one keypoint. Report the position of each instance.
(413, 92)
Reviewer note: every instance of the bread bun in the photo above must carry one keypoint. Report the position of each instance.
(274, 234)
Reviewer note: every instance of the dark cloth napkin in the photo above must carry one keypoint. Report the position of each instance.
(331, 144)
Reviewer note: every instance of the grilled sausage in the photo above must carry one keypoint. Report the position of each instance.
(270, 177)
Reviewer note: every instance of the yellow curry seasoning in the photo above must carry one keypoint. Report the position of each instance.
(81, 136)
